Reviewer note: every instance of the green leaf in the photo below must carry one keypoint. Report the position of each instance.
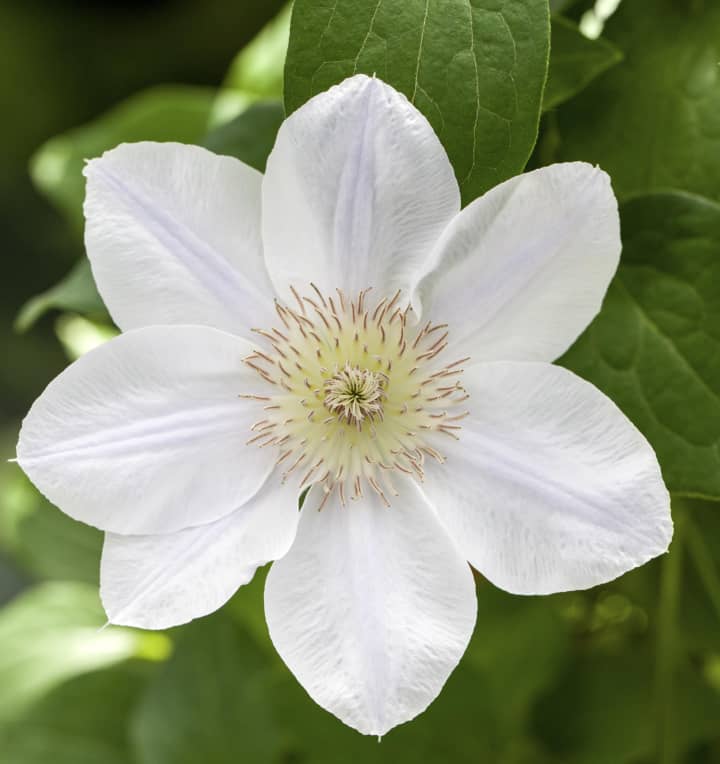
(574, 62)
(76, 292)
(38, 537)
(655, 346)
(210, 702)
(256, 73)
(81, 722)
(51, 634)
(475, 68)
(250, 136)
(258, 68)
(653, 122)
(169, 113)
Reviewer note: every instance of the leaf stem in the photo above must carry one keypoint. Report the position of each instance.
(670, 581)
(703, 562)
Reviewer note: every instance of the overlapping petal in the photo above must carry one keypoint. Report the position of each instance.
(154, 582)
(523, 270)
(147, 433)
(173, 236)
(358, 188)
(371, 609)
(550, 487)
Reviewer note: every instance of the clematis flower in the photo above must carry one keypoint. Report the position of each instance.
(341, 323)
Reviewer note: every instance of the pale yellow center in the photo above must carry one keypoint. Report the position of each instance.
(361, 395)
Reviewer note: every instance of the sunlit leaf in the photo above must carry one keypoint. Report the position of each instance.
(256, 73)
(51, 634)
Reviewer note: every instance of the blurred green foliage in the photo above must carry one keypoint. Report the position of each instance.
(628, 673)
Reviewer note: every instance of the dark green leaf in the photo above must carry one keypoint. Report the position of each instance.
(80, 722)
(655, 346)
(210, 702)
(653, 122)
(475, 68)
(250, 136)
(574, 62)
(76, 292)
(603, 710)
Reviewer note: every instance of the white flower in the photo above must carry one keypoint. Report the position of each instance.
(398, 320)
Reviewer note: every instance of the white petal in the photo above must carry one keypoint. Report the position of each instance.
(371, 609)
(523, 269)
(147, 434)
(550, 487)
(154, 582)
(173, 236)
(357, 191)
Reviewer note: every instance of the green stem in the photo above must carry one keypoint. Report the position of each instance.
(666, 637)
(703, 562)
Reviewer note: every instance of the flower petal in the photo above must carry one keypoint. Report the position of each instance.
(371, 609)
(356, 193)
(154, 582)
(550, 487)
(173, 236)
(523, 269)
(147, 433)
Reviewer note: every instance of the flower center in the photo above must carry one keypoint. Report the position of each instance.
(360, 393)
(355, 394)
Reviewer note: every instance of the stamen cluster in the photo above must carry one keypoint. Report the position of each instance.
(360, 393)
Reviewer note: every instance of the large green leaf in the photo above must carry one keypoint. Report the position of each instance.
(475, 68)
(574, 61)
(653, 122)
(655, 346)
(170, 113)
(51, 634)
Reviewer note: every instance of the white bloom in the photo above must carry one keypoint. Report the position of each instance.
(397, 321)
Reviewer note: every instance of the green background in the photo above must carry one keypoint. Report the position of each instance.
(627, 673)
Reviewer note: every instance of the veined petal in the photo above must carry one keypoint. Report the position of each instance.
(173, 236)
(371, 609)
(550, 487)
(358, 188)
(523, 270)
(147, 433)
(154, 582)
